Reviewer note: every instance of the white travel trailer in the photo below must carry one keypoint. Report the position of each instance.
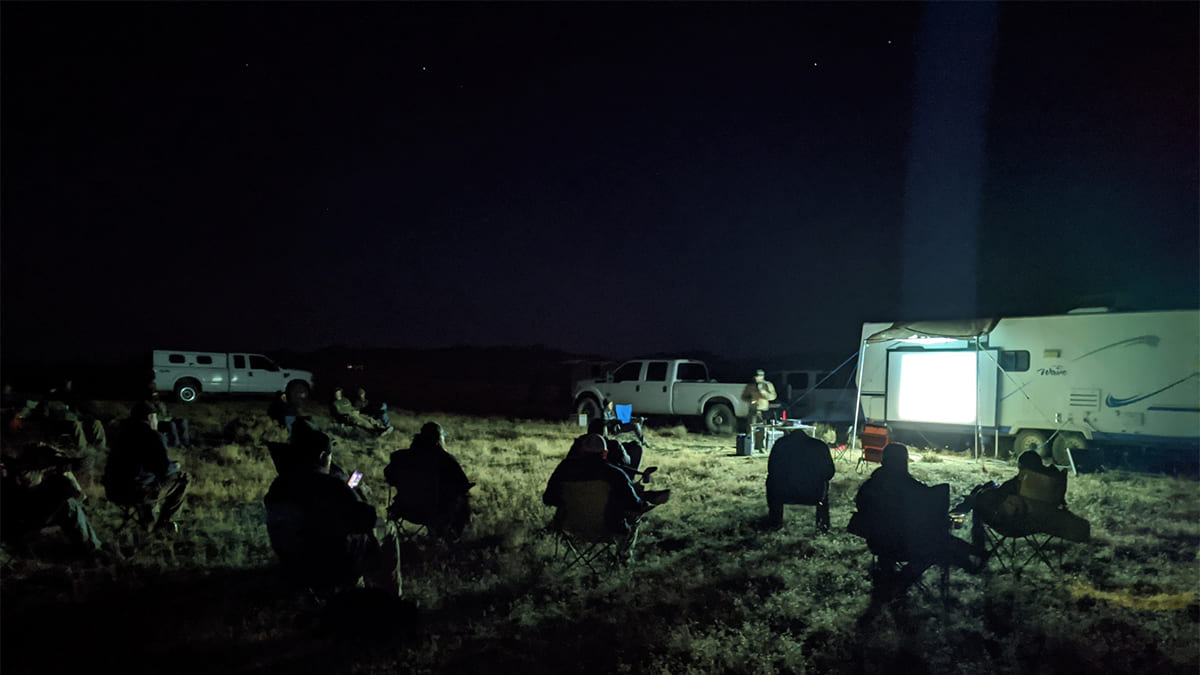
(1053, 383)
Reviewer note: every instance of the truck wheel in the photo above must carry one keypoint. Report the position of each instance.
(187, 391)
(297, 391)
(588, 406)
(719, 419)
(1030, 439)
(1067, 440)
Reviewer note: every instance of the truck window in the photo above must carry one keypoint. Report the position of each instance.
(628, 372)
(261, 363)
(1014, 361)
(239, 361)
(691, 372)
(176, 358)
(656, 371)
(204, 360)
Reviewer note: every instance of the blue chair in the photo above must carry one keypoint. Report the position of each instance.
(624, 412)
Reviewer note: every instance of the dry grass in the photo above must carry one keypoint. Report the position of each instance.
(710, 592)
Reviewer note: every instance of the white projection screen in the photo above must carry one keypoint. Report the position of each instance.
(942, 387)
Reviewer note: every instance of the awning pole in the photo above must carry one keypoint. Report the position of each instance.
(862, 352)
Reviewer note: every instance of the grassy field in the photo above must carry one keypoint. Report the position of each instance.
(710, 591)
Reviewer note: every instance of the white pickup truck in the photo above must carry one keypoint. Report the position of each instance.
(187, 374)
(665, 387)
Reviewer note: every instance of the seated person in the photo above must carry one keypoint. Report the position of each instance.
(173, 429)
(66, 411)
(586, 462)
(626, 456)
(1032, 501)
(615, 426)
(431, 487)
(41, 491)
(139, 472)
(283, 412)
(321, 528)
(341, 409)
(377, 413)
(904, 520)
(798, 472)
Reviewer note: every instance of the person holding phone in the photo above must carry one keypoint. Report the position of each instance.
(321, 527)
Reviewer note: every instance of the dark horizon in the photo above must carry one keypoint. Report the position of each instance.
(748, 180)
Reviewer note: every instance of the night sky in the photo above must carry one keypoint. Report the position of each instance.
(745, 179)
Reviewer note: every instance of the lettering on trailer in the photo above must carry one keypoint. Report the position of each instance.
(1053, 370)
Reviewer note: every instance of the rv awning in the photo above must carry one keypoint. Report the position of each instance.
(963, 330)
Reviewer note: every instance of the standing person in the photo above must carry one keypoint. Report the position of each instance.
(759, 395)
(174, 430)
(431, 486)
(140, 473)
(283, 412)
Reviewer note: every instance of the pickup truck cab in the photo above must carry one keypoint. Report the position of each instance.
(665, 387)
(187, 374)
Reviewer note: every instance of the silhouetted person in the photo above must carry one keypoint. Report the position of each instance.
(798, 472)
(174, 429)
(1032, 501)
(321, 528)
(65, 409)
(904, 520)
(431, 487)
(283, 412)
(140, 473)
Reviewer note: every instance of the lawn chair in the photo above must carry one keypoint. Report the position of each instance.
(874, 440)
(1032, 526)
(581, 533)
(907, 547)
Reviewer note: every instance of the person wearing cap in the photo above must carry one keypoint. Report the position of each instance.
(140, 473)
(431, 487)
(322, 529)
(759, 395)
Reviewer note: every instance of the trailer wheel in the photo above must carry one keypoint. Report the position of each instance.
(1067, 440)
(1030, 439)
(588, 406)
(719, 419)
(187, 391)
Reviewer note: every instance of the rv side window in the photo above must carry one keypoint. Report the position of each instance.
(239, 361)
(1014, 362)
(176, 358)
(204, 360)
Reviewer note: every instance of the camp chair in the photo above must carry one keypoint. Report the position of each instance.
(580, 532)
(398, 512)
(901, 550)
(1032, 526)
(874, 440)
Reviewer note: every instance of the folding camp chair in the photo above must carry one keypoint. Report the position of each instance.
(901, 548)
(874, 440)
(580, 531)
(1032, 526)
